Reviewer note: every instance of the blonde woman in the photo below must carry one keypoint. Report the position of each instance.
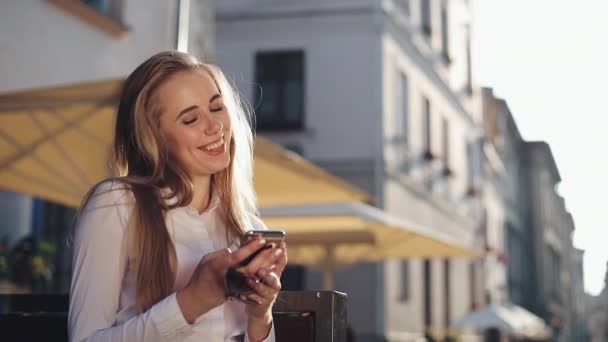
(153, 245)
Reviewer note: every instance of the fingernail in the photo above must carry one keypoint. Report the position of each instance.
(278, 252)
(262, 241)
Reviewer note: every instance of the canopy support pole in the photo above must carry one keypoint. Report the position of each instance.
(329, 268)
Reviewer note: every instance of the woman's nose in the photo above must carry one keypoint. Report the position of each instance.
(213, 126)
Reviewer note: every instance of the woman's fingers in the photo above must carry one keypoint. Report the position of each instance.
(267, 284)
(270, 279)
(265, 288)
(282, 260)
(255, 297)
(245, 251)
(263, 260)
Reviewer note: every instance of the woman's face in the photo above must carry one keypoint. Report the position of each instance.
(195, 123)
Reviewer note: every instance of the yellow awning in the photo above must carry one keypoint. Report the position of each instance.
(55, 144)
(355, 232)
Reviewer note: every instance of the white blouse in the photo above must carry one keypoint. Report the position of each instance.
(102, 294)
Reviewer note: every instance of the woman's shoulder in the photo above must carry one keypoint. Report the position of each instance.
(110, 192)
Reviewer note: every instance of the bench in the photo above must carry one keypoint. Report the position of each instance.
(300, 316)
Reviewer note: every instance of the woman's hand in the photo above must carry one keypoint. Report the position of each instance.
(207, 286)
(266, 284)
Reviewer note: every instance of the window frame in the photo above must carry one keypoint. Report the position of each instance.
(280, 122)
(113, 26)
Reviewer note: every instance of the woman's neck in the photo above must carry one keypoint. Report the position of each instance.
(201, 195)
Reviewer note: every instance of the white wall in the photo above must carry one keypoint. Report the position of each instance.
(340, 112)
(43, 45)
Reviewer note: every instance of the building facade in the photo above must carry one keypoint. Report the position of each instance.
(579, 314)
(56, 42)
(551, 227)
(379, 93)
(597, 314)
(544, 270)
(514, 248)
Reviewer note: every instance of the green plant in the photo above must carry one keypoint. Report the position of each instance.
(30, 263)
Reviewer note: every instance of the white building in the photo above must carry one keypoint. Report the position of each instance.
(58, 42)
(379, 93)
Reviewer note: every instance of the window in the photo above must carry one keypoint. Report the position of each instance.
(555, 269)
(473, 286)
(475, 167)
(402, 109)
(428, 314)
(515, 265)
(405, 106)
(445, 49)
(445, 148)
(446, 292)
(280, 76)
(427, 129)
(405, 281)
(110, 8)
(425, 12)
(469, 81)
(35, 258)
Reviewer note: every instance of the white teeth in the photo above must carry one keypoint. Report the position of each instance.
(214, 145)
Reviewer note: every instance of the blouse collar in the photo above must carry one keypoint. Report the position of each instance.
(214, 202)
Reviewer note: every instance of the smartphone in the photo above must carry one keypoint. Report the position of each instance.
(235, 280)
(272, 237)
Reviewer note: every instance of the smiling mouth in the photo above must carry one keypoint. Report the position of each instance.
(214, 146)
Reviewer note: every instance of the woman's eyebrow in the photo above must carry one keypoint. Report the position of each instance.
(186, 110)
(214, 97)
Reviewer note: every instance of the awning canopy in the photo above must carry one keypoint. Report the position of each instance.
(510, 319)
(327, 236)
(359, 232)
(55, 144)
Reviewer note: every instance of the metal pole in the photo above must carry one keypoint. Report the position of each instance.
(329, 269)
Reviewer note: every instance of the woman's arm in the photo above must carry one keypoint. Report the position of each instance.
(99, 263)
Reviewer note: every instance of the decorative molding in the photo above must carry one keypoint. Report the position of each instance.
(92, 17)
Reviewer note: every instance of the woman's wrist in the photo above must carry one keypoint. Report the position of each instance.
(258, 328)
(191, 306)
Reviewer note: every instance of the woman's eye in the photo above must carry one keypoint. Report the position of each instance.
(216, 109)
(189, 121)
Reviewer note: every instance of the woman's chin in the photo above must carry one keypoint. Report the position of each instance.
(213, 168)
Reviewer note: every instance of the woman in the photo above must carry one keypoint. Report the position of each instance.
(152, 246)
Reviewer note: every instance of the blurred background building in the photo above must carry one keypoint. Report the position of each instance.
(378, 92)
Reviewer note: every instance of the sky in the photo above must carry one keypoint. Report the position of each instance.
(549, 60)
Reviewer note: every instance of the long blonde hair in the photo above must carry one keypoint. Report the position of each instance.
(142, 162)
